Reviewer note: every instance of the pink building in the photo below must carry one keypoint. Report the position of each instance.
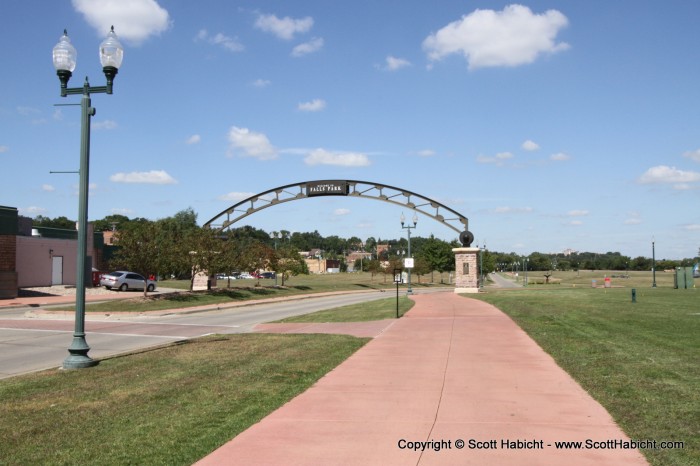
(39, 256)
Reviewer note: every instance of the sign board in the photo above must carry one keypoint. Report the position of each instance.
(327, 188)
(408, 262)
(398, 277)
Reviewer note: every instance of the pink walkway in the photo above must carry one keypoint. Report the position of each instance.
(452, 370)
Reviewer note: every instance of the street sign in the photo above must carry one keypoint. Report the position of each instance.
(408, 262)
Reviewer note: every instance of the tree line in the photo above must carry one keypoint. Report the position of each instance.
(177, 246)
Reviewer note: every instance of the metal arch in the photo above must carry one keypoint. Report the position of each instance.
(354, 188)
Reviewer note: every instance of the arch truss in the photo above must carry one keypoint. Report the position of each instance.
(351, 188)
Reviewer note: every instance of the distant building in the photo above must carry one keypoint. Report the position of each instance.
(40, 256)
(568, 252)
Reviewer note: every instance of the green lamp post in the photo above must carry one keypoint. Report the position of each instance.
(64, 60)
(409, 290)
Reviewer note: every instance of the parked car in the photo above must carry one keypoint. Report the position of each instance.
(123, 281)
(267, 275)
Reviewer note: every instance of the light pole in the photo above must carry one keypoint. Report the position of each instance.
(653, 263)
(525, 261)
(64, 60)
(482, 248)
(409, 260)
(274, 235)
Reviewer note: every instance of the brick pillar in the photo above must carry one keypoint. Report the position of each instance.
(466, 270)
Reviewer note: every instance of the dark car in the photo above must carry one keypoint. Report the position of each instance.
(123, 281)
(267, 275)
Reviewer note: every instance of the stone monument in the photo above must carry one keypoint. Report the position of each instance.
(466, 265)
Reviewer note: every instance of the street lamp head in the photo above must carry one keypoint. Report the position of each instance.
(111, 56)
(415, 219)
(403, 219)
(64, 59)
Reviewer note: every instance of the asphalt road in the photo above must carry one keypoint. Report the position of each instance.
(29, 344)
(502, 282)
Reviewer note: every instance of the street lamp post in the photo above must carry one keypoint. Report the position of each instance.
(64, 60)
(525, 263)
(409, 290)
(274, 236)
(482, 248)
(653, 263)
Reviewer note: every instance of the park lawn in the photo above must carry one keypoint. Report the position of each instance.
(171, 406)
(373, 310)
(639, 360)
(242, 290)
(135, 302)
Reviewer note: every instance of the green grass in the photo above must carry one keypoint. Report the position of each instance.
(244, 290)
(170, 406)
(372, 310)
(584, 278)
(640, 360)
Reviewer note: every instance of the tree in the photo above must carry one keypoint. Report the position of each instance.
(437, 254)
(111, 222)
(201, 250)
(421, 267)
(58, 222)
(259, 257)
(374, 267)
(140, 250)
(287, 262)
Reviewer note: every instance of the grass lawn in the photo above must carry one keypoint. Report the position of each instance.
(640, 360)
(372, 310)
(585, 278)
(169, 406)
(245, 290)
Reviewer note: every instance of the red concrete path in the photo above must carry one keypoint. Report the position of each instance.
(452, 369)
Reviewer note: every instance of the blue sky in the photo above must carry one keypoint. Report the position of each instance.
(549, 124)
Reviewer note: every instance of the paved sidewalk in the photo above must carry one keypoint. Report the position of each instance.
(451, 369)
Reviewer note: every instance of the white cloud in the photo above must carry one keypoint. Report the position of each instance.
(577, 213)
(693, 155)
(28, 111)
(284, 28)
(575, 223)
(513, 210)
(251, 144)
(48, 188)
(488, 38)
(426, 153)
(235, 196)
(32, 211)
(560, 157)
(530, 146)
(92, 187)
(260, 83)
(692, 227)
(133, 20)
(393, 63)
(106, 124)
(343, 159)
(340, 212)
(666, 174)
(194, 139)
(314, 45)
(315, 105)
(498, 159)
(229, 43)
(4, 149)
(150, 177)
(122, 211)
